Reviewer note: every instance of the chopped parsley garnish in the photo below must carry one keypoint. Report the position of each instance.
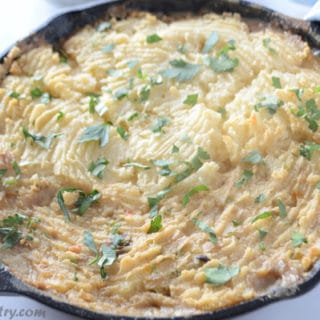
(236, 222)
(155, 224)
(153, 38)
(45, 98)
(223, 112)
(260, 198)
(271, 103)
(144, 93)
(262, 234)
(298, 92)
(181, 70)
(94, 100)
(137, 165)
(121, 93)
(98, 167)
(308, 148)
(36, 93)
(96, 133)
(158, 126)
(262, 246)
(123, 133)
(16, 169)
(211, 42)
(108, 48)
(104, 26)
(42, 141)
(89, 241)
(267, 44)
(82, 203)
(133, 116)
(164, 165)
(204, 227)
(276, 83)
(132, 63)
(63, 56)
(220, 275)
(263, 215)
(282, 209)
(14, 94)
(191, 99)
(245, 177)
(60, 115)
(156, 81)
(298, 239)
(254, 157)
(310, 113)
(316, 90)
(154, 201)
(223, 63)
(175, 149)
(186, 197)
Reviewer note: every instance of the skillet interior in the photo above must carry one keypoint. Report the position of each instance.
(63, 26)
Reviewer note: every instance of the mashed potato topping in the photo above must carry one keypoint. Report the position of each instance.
(154, 168)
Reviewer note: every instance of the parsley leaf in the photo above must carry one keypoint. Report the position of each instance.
(108, 257)
(254, 157)
(89, 241)
(144, 93)
(223, 63)
(298, 92)
(108, 48)
(220, 275)
(121, 93)
(155, 224)
(282, 209)
(175, 149)
(191, 99)
(298, 239)
(42, 141)
(97, 168)
(271, 103)
(245, 177)
(153, 38)
(186, 197)
(276, 83)
(260, 198)
(310, 113)
(181, 70)
(263, 215)
(266, 43)
(211, 42)
(158, 126)
(154, 201)
(60, 115)
(94, 100)
(262, 234)
(123, 133)
(164, 165)
(136, 165)
(308, 148)
(204, 227)
(14, 94)
(45, 98)
(96, 133)
(36, 93)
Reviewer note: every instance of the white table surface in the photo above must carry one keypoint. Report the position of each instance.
(18, 18)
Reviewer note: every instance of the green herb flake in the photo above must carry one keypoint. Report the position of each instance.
(181, 70)
(254, 157)
(123, 133)
(45, 98)
(175, 149)
(63, 56)
(137, 165)
(154, 201)
(60, 115)
(108, 48)
(316, 90)
(204, 227)
(298, 92)
(262, 234)
(108, 257)
(260, 198)
(276, 83)
(89, 241)
(164, 165)
(191, 99)
(310, 113)
(298, 239)
(262, 246)
(220, 275)
(94, 100)
(36, 93)
(121, 93)
(153, 38)
(104, 26)
(223, 112)
(144, 93)
(308, 148)
(133, 116)
(132, 63)
(96, 133)
(3, 172)
(236, 223)
(98, 167)
(223, 63)
(267, 44)
(211, 42)
(271, 103)
(155, 224)
(42, 141)
(282, 209)
(197, 189)
(261, 216)
(158, 126)
(14, 94)
(16, 169)
(245, 177)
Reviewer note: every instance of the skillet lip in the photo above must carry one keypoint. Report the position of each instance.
(57, 29)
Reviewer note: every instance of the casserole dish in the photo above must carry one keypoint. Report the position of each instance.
(54, 36)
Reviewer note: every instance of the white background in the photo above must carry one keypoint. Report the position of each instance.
(18, 18)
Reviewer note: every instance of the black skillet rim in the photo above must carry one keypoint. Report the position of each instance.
(63, 26)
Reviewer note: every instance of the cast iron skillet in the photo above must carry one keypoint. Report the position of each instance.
(63, 26)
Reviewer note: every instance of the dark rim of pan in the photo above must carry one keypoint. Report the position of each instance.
(61, 27)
